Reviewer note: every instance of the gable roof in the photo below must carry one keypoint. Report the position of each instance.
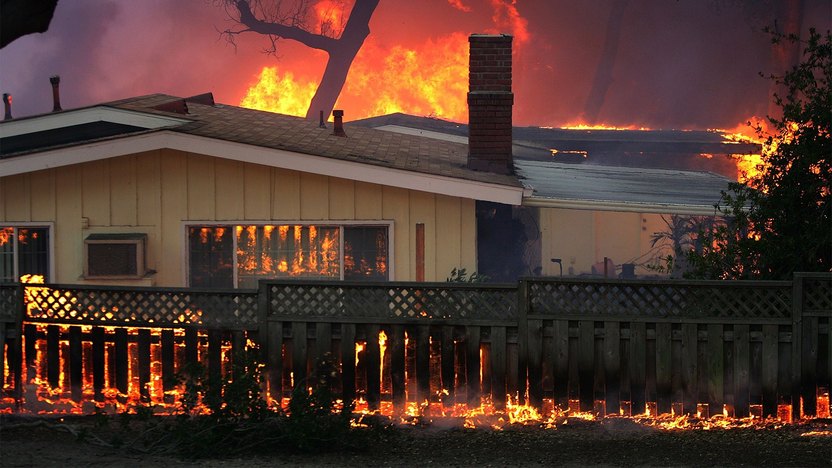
(369, 155)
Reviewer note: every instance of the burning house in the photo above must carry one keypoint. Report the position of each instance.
(169, 191)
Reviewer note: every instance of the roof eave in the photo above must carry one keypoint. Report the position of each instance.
(621, 206)
(168, 139)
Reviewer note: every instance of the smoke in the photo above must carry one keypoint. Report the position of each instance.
(680, 64)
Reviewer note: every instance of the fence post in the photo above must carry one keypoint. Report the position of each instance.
(523, 305)
(797, 343)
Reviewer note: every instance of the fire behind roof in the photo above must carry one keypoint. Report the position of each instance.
(701, 150)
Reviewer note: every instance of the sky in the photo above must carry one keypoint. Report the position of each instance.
(685, 64)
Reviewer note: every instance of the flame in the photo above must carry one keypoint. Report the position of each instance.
(281, 93)
(580, 125)
(424, 79)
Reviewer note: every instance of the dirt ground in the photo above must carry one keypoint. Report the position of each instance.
(34, 442)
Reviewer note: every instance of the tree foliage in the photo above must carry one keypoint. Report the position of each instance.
(780, 221)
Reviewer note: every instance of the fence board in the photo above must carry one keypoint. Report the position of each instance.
(612, 366)
(689, 355)
(586, 361)
(535, 360)
(715, 368)
(215, 355)
(191, 350)
(742, 373)
(664, 354)
(300, 356)
(809, 364)
(76, 359)
(638, 363)
(472, 366)
(98, 363)
(423, 363)
(498, 367)
(122, 361)
(323, 340)
(396, 349)
(373, 367)
(31, 335)
(447, 363)
(560, 373)
(168, 353)
(348, 361)
(770, 362)
(143, 344)
(53, 367)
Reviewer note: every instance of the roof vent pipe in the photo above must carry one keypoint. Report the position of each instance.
(322, 124)
(56, 93)
(7, 103)
(339, 123)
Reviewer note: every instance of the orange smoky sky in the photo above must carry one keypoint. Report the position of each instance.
(682, 64)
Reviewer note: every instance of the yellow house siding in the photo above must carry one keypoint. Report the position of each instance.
(43, 204)
(286, 201)
(582, 238)
(447, 237)
(395, 205)
(256, 189)
(200, 185)
(17, 198)
(230, 196)
(95, 189)
(68, 234)
(314, 197)
(174, 212)
(341, 199)
(149, 188)
(368, 201)
(124, 209)
(468, 235)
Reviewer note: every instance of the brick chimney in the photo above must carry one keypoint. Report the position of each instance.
(489, 103)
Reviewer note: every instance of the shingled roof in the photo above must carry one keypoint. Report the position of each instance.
(362, 145)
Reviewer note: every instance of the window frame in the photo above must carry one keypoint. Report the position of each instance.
(50, 227)
(341, 224)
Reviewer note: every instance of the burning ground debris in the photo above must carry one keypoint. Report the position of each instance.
(226, 422)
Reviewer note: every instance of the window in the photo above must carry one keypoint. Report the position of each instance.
(241, 255)
(24, 250)
(114, 256)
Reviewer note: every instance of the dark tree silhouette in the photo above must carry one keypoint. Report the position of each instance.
(278, 21)
(21, 17)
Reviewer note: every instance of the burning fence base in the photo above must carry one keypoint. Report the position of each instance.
(85, 370)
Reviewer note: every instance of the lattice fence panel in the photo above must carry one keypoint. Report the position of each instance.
(660, 300)
(391, 301)
(146, 306)
(817, 294)
(9, 302)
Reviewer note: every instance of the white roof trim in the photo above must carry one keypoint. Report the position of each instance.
(607, 205)
(87, 115)
(443, 185)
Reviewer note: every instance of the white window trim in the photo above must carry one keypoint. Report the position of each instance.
(34, 224)
(340, 223)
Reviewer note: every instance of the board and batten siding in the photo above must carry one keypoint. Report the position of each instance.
(157, 192)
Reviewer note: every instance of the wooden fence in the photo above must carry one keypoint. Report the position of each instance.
(664, 344)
